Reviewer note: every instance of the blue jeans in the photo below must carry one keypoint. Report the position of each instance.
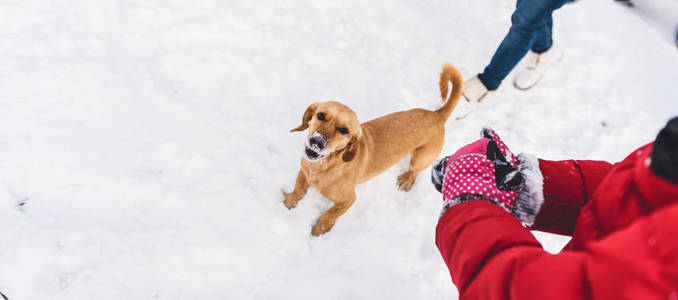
(531, 25)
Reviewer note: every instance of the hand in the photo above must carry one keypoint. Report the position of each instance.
(497, 151)
(487, 169)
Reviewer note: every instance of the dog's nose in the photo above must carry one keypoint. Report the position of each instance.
(318, 141)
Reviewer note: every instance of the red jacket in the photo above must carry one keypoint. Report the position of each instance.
(623, 220)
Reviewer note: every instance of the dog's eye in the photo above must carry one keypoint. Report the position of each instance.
(342, 130)
(321, 116)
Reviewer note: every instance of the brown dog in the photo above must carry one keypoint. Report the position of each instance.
(341, 153)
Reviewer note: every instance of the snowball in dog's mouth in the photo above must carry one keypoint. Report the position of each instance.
(311, 154)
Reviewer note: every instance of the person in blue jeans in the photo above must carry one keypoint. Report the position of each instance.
(530, 33)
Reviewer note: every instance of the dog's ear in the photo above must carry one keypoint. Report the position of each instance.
(352, 147)
(308, 115)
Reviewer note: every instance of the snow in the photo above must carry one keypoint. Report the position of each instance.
(660, 14)
(145, 145)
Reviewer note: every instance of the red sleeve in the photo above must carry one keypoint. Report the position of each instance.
(636, 262)
(568, 185)
(483, 246)
(490, 255)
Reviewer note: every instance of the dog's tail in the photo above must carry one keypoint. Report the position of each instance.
(449, 73)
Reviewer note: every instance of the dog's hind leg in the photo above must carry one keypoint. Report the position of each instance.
(300, 188)
(422, 157)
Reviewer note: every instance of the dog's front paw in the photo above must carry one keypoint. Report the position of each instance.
(290, 200)
(406, 180)
(321, 227)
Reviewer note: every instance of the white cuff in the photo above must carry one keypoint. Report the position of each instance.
(531, 196)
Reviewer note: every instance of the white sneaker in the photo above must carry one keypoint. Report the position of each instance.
(537, 64)
(474, 92)
(463, 109)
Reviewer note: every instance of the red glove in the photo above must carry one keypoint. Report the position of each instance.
(487, 169)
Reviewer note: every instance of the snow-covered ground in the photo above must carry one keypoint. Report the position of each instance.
(660, 14)
(144, 144)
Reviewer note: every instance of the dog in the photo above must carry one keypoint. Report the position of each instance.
(341, 153)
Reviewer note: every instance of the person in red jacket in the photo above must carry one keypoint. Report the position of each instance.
(623, 219)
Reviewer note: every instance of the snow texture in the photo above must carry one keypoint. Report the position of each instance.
(145, 144)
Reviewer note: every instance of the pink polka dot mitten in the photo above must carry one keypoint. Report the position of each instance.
(487, 169)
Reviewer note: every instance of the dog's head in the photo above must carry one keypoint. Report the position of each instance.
(332, 127)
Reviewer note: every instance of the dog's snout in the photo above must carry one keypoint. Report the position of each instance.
(319, 141)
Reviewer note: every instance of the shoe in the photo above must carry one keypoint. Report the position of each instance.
(537, 64)
(474, 92)
(463, 109)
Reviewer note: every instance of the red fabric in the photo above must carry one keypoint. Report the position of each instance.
(477, 147)
(568, 185)
(480, 147)
(624, 243)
